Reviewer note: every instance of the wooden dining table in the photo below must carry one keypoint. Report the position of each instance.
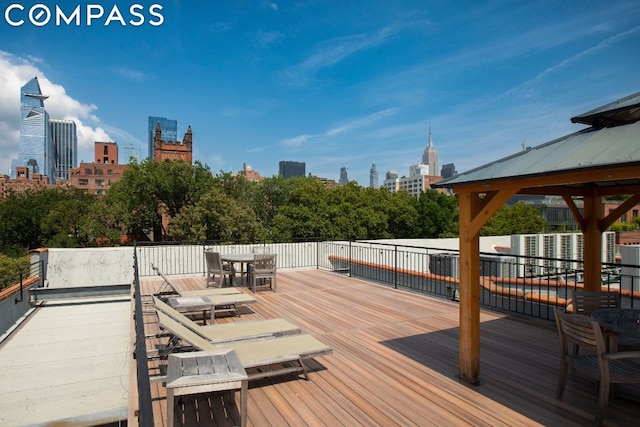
(244, 259)
(619, 323)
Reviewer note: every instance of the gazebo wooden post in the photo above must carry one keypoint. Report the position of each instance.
(469, 339)
(592, 240)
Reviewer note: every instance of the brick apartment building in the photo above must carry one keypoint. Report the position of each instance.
(97, 177)
(23, 182)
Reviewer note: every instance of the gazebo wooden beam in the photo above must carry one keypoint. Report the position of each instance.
(474, 212)
(619, 211)
(592, 247)
(575, 211)
(577, 191)
(469, 336)
(560, 180)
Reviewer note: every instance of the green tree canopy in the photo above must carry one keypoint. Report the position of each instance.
(438, 215)
(519, 218)
(216, 216)
(47, 217)
(150, 189)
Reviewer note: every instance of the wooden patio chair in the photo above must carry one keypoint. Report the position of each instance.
(598, 365)
(217, 268)
(585, 302)
(228, 332)
(261, 358)
(263, 268)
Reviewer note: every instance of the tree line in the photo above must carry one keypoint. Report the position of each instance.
(186, 202)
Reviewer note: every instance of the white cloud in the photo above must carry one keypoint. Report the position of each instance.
(268, 38)
(333, 51)
(15, 71)
(343, 128)
(129, 74)
(296, 141)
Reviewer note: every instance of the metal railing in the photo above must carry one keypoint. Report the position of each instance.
(516, 284)
(23, 274)
(528, 286)
(145, 408)
(179, 258)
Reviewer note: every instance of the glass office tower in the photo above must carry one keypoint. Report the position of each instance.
(289, 169)
(65, 146)
(373, 176)
(36, 150)
(344, 177)
(169, 130)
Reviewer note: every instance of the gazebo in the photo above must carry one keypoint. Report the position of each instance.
(601, 160)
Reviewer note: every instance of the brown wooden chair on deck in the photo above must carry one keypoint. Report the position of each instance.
(263, 268)
(216, 268)
(576, 330)
(585, 302)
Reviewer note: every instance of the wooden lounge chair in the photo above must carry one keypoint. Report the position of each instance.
(168, 289)
(262, 358)
(606, 368)
(227, 332)
(212, 303)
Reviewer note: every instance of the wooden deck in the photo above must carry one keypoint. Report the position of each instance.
(395, 362)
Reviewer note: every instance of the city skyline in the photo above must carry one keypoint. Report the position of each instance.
(328, 84)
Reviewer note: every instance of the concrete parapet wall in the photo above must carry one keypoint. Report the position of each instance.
(89, 267)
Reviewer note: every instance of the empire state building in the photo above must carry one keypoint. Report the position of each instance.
(430, 157)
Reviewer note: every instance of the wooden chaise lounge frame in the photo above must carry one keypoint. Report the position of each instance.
(262, 358)
(229, 332)
(193, 293)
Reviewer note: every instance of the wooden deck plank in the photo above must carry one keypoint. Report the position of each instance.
(395, 362)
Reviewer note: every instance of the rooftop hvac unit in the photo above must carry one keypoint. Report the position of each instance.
(445, 265)
(630, 276)
(502, 266)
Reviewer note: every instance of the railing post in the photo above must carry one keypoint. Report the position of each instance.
(350, 259)
(21, 287)
(395, 266)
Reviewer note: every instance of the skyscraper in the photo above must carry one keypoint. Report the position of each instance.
(448, 170)
(65, 147)
(289, 169)
(373, 176)
(430, 157)
(344, 178)
(35, 150)
(168, 127)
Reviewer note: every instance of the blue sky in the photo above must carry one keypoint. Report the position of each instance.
(329, 83)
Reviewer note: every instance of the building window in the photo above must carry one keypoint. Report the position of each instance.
(87, 171)
(100, 182)
(109, 171)
(99, 171)
(83, 181)
(106, 150)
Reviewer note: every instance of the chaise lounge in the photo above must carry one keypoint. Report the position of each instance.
(172, 290)
(229, 332)
(261, 358)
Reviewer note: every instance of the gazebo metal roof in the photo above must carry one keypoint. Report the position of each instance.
(597, 147)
